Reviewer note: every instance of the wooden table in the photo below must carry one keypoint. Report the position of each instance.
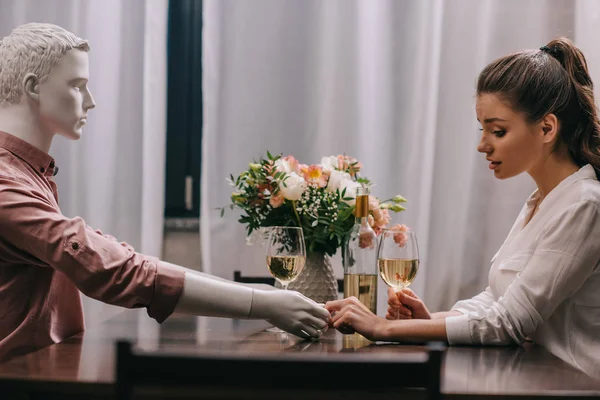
(84, 365)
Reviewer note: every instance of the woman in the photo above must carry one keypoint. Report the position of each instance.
(537, 113)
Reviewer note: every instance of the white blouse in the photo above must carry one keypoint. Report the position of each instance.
(544, 282)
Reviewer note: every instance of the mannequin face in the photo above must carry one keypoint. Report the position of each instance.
(64, 98)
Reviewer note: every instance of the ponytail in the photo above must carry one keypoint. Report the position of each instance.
(583, 142)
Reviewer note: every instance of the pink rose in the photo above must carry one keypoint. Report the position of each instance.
(276, 200)
(378, 215)
(385, 218)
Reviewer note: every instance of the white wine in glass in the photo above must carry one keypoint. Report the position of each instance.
(286, 256)
(398, 257)
(285, 268)
(398, 273)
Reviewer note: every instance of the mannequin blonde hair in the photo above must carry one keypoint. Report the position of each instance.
(32, 48)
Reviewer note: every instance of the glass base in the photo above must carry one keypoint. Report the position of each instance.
(275, 329)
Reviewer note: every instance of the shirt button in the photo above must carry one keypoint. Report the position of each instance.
(43, 170)
(74, 246)
(51, 164)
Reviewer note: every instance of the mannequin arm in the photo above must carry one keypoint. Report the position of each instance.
(207, 295)
(209, 276)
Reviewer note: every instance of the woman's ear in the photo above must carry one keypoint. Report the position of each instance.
(31, 86)
(549, 125)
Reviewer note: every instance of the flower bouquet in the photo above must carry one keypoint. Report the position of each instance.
(320, 198)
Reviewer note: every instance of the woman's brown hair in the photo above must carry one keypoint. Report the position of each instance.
(552, 80)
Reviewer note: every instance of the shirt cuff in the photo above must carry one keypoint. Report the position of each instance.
(457, 330)
(462, 310)
(168, 288)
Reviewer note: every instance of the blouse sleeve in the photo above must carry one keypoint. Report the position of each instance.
(481, 301)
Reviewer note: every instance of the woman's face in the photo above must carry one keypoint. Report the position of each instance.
(509, 142)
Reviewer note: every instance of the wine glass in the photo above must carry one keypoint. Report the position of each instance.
(398, 257)
(286, 256)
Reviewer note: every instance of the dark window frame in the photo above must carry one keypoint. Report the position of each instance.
(184, 109)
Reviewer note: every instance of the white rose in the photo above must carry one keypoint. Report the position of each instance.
(283, 165)
(329, 164)
(294, 186)
(335, 178)
(350, 187)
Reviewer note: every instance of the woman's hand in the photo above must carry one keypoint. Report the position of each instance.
(406, 304)
(350, 315)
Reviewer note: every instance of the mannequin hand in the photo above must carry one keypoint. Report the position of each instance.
(290, 311)
(403, 301)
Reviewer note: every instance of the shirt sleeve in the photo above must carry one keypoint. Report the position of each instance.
(99, 266)
(110, 237)
(567, 253)
(481, 301)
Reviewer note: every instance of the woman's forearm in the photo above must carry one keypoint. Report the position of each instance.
(414, 330)
(445, 314)
(419, 329)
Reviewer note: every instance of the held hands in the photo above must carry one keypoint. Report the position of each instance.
(405, 304)
(290, 311)
(350, 315)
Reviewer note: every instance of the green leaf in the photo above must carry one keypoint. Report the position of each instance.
(315, 222)
(222, 212)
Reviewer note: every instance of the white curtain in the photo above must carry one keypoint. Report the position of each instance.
(114, 176)
(389, 82)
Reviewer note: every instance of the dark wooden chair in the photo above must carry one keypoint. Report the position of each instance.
(277, 375)
(237, 277)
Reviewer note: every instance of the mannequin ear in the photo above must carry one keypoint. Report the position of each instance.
(31, 86)
(549, 125)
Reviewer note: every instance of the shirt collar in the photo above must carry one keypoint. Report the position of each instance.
(39, 160)
(585, 172)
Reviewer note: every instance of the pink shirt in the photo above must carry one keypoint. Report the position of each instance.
(47, 258)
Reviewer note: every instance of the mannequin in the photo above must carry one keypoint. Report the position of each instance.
(43, 92)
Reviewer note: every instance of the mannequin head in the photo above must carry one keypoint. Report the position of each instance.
(44, 71)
